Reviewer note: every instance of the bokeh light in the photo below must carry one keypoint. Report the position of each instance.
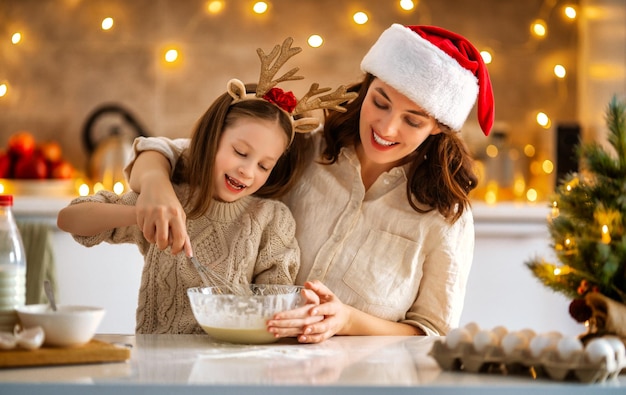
(570, 12)
(543, 120)
(360, 18)
(547, 166)
(107, 23)
(260, 7)
(529, 150)
(491, 151)
(118, 188)
(486, 55)
(539, 28)
(407, 5)
(315, 41)
(559, 71)
(171, 55)
(215, 7)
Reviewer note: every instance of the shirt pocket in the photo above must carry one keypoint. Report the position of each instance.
(386, 270)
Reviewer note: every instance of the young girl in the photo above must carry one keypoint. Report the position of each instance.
(382, 210)
(241, 153)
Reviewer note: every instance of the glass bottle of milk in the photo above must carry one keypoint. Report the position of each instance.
(12, 266)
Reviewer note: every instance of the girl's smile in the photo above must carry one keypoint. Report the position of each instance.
(234, 185)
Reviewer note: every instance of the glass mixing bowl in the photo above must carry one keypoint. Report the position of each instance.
(240, 317)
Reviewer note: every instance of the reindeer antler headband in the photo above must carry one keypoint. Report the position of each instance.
(286, 101)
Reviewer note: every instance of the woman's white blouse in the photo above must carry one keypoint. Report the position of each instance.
(370, 247)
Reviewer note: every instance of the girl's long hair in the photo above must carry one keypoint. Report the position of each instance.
(441, 172)
(195, 166)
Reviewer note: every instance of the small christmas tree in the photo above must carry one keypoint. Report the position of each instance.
(588, 224)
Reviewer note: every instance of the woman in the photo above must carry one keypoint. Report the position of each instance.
(382, 209)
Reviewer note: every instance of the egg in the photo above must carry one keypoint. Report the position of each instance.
(485, 338)
(568, 346)
(554, 334)
(541, 343)
(30, 338)
(599, 350)
(514, 341)
(457, 336)
(472, 328)
(7, 341)
(500, 331)
(619, 348)
(529, 333)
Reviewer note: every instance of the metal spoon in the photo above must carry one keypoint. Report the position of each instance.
(47, 287)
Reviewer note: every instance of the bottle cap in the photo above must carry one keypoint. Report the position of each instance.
(6, 200)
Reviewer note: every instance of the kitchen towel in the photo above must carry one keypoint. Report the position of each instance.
(37, 239)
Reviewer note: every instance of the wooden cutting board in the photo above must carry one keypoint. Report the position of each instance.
(93, 352)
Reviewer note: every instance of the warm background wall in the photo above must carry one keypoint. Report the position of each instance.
(602, 62)
(66, 65)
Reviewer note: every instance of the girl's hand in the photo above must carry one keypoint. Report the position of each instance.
(161, 218)
(313, 323)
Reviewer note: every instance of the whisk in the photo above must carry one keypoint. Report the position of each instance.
(210, 278)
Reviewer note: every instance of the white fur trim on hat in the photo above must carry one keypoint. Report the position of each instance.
(424, 73)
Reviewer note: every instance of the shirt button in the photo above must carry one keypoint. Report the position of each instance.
(386, 181)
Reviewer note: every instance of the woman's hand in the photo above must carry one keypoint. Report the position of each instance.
(323, 316)
(291, 323)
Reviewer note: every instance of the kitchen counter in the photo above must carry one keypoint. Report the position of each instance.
(185, 364)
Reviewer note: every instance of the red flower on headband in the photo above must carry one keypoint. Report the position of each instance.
(285, 100)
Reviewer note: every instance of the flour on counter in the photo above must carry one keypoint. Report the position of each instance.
(295, 352)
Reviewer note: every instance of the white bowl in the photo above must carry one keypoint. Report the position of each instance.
(242, 318)
(69, 326)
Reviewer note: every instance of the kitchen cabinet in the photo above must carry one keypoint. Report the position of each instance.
(500, 290)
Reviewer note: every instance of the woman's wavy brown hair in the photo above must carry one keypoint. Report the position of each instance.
(441, 172)
(195, 166)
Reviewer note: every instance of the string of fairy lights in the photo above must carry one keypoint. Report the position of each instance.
(538, 30)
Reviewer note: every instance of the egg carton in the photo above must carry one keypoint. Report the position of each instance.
(492, 359)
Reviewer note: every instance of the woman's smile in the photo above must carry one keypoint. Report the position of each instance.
(380, 143)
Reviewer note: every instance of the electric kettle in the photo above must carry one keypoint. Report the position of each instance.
(108, 136)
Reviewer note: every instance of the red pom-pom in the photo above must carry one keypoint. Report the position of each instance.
(580, 310)
(285, 100)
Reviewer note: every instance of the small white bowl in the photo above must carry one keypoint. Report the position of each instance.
(69, 326)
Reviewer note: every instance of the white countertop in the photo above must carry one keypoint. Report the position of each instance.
(182, 364)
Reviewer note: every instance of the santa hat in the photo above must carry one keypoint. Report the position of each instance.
(438, 70)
